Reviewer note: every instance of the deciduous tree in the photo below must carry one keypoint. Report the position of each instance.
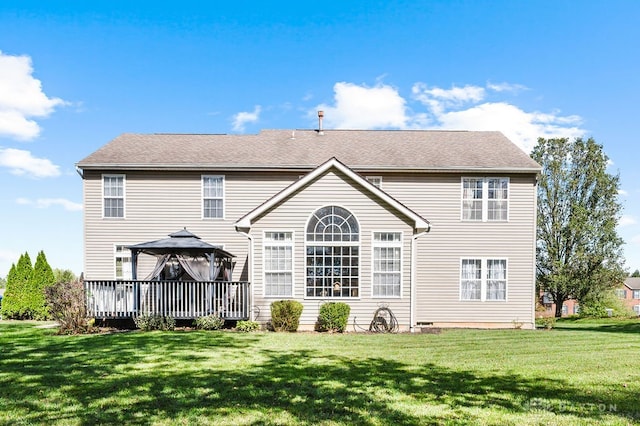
(579, 252)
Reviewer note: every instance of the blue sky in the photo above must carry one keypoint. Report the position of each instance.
(75, 74)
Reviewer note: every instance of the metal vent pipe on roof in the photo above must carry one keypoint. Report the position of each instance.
(320, 117)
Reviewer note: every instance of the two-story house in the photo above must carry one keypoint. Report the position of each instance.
(438, 226)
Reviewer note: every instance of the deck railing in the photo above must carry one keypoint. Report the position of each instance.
(177, 299)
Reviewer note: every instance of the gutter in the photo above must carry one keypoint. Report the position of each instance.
(412, 279)
(250, 266)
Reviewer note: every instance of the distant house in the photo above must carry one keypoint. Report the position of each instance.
(438, 226)
(630, 292)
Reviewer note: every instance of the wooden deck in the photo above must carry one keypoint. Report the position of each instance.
(177, 299)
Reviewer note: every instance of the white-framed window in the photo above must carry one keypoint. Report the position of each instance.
(375, 180)
(387, 264)
(621, 293)
(483, 279)
(636, 309)
(122, 262)
(333, 254)
(485, 199)
(636, 294)
(278, 264)
(565, 310)
(113, 191)
(213, 197)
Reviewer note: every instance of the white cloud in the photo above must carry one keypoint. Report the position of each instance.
(506, 87)
(362, 107)
(627, 220)
(458, 108)
(523, 128)
(22, 98)
(623, 192)
(635, 239)
(243, 118)
(21, 162)
(45, 203)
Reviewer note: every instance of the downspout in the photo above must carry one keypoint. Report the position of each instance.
(251, 280)
(412, 279)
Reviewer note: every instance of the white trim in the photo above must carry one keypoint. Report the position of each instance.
(124, 195)
(483, 279)
(292, 245)
(419, 223)
(387, 244)
(335, 244)
(202, 197)
(372, 179)
(485, 198)
(121, 254)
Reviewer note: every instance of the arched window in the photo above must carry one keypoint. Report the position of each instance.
(333, 253)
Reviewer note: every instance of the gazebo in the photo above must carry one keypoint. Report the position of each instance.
(184, 253)
(191, 278)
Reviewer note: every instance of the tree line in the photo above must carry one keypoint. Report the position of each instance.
(25, 285)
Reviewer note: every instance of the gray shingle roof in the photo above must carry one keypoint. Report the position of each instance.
(305, 149)
(632, 283)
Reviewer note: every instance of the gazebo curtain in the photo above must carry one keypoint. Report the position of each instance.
(160, 264)
(197, 268)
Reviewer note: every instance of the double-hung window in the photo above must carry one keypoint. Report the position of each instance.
(387, 264)
(113, 196)
(636, 294)
(485, 199)
(122, 257)
(278, 264)
(213, 197)
(375, 180)
(483, 279)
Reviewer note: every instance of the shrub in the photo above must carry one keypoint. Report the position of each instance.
(67, 306)
(547, 322)
(146, 322)
(209, 322)
(595, 305)
(247, 326)
(285, 315)
(333, 316)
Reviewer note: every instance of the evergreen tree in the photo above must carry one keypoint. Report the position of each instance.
(579, 251)
(41, 277)
(17, 303)
(9, 301)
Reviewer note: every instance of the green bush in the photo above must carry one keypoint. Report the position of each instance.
(285, 315)
(66, 304)
(595, 305)
(546, 322)
(333, 316)
(146, 322)
(247, 326)
(209, 322)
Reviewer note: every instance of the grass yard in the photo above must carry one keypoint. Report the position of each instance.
(579, 373)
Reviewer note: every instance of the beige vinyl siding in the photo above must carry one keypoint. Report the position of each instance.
(160, 203)
(293, 214)
(438, 198)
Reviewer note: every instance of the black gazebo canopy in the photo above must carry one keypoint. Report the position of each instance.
(180, 244)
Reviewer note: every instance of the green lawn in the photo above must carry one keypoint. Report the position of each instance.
(580, 373)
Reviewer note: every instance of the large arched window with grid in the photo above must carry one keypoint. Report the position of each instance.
(333, 254)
